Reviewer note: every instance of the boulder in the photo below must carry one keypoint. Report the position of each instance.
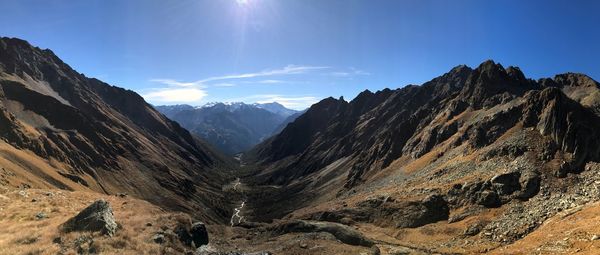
(489, 199)
(530, 185)
(194, 235)
(158, 238)
(96, 217)
(414, 214)
(507, 183)
(41, 216)
(343, 233)
(199, 234)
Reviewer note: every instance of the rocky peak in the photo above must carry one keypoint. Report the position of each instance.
(516, 73)
(460, 70)
(575, 80)
(490, 84)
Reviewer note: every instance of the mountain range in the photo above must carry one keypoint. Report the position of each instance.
(232, 128)
(453, 149)
(477, 160)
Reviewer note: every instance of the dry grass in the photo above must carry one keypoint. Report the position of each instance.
(23, 233)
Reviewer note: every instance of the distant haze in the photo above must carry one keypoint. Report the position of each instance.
(231, 127)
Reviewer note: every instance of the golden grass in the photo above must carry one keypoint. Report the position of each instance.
(22, 233)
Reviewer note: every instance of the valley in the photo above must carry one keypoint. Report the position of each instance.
(476, 160)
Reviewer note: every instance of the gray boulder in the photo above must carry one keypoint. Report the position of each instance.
(96, 217)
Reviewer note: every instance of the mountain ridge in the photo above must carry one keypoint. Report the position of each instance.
(100, 137)
(231, 127)
(338, 147)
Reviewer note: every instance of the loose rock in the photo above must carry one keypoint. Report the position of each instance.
(96, 217)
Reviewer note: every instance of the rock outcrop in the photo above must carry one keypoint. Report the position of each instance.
(194, 235)
(388, 212)
(343, 233)
(97, 217)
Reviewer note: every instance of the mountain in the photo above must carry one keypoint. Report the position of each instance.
(287, 121)
(170, 110)
(230, 127)
(477, 160)
(61, 129)
(276, 108)
(474, 158)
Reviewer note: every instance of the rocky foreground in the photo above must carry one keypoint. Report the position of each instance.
(36, 221)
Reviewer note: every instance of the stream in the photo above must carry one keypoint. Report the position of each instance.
(236, 218)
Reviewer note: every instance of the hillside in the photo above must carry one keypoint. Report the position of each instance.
(63, 130)
(231, 127)
(474, 159)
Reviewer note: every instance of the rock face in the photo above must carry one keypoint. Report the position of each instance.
(194, 235)
(99, 137)
(336, 146)
(377, 128)
(499, 190)
(97, 217)
(388, 212)
(343, 233)
(233, 127)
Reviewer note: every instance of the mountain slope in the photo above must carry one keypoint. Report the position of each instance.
(471, 141)
(232, 128)
(88, 135)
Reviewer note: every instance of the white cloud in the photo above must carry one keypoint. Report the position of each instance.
(224, 84)
(290, 69)
(287, 70)
(292, 102)
(352, 72)
(188, 92)
(271, 81)
(172, 95)
(175, 83)
(289, 101)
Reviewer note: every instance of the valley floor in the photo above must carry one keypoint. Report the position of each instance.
(30, 220)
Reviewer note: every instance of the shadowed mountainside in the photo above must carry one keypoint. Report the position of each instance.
(61, 129)
(466, 125)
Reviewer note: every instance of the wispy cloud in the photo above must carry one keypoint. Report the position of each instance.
(290, 69)
(351, 72)
(194, 91)
(271, 81)
(174, 83)
(175, 95)
(223, 84)
(297, 102)
(287, 70)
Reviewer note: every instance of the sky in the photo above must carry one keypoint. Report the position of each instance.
(297, 52)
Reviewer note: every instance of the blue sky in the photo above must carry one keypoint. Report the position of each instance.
(297, 52)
